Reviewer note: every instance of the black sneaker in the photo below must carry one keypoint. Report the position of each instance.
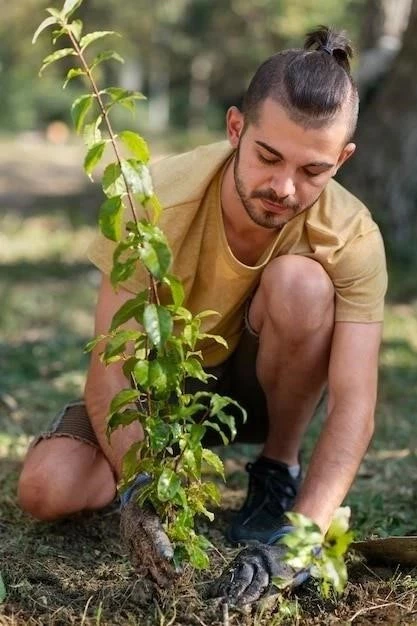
(271, 492)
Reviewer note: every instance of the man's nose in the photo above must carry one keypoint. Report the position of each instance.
(283, 184)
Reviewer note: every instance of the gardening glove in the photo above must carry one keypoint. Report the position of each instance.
(150, 550)
(250, 575)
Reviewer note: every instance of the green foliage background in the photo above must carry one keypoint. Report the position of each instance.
(162, 38)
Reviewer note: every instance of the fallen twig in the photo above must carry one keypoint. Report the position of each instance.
(375, 607)
(225, 608)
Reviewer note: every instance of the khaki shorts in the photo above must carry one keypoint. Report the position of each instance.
(236, 377)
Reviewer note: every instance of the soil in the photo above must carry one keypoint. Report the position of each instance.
(75, 571)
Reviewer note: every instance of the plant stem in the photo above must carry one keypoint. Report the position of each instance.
(106, 119)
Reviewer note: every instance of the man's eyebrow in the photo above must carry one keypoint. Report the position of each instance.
(279, 155)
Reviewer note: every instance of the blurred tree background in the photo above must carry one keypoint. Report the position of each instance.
(194, 58)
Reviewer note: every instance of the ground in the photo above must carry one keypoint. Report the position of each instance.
(75, 571)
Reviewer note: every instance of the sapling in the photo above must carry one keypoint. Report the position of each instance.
(163, 351)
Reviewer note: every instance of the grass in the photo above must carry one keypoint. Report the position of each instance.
(74, 571)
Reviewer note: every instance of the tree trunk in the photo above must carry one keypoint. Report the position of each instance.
(383, 27)
(383, 173)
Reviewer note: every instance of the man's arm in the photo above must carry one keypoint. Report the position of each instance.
(347, 431)
(104, 382)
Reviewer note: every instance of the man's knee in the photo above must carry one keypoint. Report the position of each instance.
(295, 292)
(40, 493)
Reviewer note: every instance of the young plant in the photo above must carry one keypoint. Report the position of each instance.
(162, 353)
(322, 555)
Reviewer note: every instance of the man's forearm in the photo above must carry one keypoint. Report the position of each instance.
(103, 383)
(335, 461)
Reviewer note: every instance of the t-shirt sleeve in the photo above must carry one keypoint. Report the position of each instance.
(360, 279)
(100, 253)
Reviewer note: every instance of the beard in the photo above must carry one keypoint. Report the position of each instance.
(261, 216)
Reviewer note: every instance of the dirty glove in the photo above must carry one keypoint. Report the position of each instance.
(150, 550)
(249, 576)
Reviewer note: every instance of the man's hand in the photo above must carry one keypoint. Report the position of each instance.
(250, 575)
(149, 548)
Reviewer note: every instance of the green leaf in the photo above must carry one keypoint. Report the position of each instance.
(124, 418)
(117, 344)
(70, 6)
(56, 56)
(217, 428)
(130, 462)
(218, 403)
(138, 178)
(217, 338)
(198, 558)
(141, 372)
(177, 289)
(79, 110)
(156, 257)
(136, 144)
(94, 342)
(168, 485)
(212, 492)
(122, 271)
(94, 156)
(157, 376)
(46, 22)
(111, 218)
(106, 55)
(214, 461)
(92, 132)
(3, 592)
(194, 369)
(73, 73)
(91, 37)
(197, 432)
(131, 309)
(159, 435)
(192, 462)
(229, 420)
(123, 398)
(124, 97)
(158, 324)
(76, 28)
(55, 13)
(207, 313)
(155, 206)
(113, 181)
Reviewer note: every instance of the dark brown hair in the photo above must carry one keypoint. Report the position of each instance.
(313, 84)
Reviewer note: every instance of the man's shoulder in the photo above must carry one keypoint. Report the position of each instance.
(184, 178)
(341, 213)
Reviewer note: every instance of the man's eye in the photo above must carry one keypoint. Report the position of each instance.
(312, 174)
(265, 160)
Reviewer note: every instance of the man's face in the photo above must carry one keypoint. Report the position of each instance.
(280, 167)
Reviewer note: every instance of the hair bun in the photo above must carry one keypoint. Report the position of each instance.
(332, 42)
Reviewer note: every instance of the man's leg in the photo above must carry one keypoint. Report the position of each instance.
(293, 312)
(62, 475)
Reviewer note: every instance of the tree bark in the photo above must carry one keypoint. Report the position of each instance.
(383, 173)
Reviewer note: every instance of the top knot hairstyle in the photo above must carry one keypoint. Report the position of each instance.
(313, 84)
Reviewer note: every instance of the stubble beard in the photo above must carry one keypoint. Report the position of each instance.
(263, 217)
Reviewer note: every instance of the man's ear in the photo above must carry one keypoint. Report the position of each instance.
(234, 124)
(346, 153)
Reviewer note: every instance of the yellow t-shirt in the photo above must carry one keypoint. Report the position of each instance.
(337, 231)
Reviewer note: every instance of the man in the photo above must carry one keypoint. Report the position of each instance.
(256, 225)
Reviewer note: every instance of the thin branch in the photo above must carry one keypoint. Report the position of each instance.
(104, 112)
